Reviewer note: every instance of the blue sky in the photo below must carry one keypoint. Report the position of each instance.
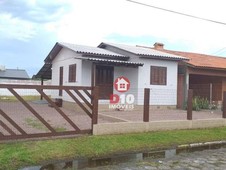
(30, 28)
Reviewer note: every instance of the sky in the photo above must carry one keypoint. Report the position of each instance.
(30, 28)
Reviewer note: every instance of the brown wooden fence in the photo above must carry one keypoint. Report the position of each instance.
(85, 97)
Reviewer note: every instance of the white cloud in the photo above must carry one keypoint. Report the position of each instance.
(15, 28)
(92, 21)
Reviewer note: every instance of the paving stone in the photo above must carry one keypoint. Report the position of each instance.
(200, 160)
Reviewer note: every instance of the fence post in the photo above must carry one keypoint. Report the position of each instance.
(146, 104)
(95, 97)
(224, 104)
(189, 104)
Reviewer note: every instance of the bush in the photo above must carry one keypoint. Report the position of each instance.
(199, 103)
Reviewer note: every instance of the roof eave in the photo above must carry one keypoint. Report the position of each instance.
(206, 67)
(53, 53)
(162, 58)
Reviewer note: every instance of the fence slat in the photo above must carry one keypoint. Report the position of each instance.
(58, 110)
(37, 135)
(79, 103)
(31, 110)
(19, 86)
(7, 128)
(83, 98)
(88, 94)
(12, 122)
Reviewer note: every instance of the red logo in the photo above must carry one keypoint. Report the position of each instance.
(122, 84)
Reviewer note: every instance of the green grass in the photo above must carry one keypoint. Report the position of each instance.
(14, 99)
(19, 154)
(36, 124)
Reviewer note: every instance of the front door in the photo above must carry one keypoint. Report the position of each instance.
(104, 79)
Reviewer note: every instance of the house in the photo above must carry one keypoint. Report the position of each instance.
(13, 74)
(205, 74)
(78, 65)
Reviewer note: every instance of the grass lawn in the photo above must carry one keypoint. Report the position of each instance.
(20, 154)
(14, 99)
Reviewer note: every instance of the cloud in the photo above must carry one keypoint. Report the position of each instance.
(22, 20)
(94, 21)
(38, 11)
(15, 28)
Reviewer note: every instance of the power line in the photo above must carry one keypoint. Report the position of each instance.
(219, 51)
(175, 12)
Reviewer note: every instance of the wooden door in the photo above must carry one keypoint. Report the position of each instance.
(104, 79)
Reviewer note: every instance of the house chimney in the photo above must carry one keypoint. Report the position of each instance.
(158, 46)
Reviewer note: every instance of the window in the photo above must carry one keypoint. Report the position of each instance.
(122, 86)
(158, 75)
(72, 73)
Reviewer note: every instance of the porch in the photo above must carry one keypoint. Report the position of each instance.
(205, 83)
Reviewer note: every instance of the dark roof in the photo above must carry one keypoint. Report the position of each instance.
(14, 74)
(45, 72)
(144, 52)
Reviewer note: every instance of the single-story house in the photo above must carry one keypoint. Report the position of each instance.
(205, 74)
(13, 74)
(77, 65)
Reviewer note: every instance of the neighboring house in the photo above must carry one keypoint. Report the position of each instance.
(13, 74)
(205, 74)
(78, 65)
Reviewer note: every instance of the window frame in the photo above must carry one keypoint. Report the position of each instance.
(158, 75)
(72, 71)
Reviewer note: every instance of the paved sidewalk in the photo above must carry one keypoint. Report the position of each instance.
(160, 114)
(199, 160)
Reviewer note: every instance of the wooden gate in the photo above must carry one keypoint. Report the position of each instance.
(86, 98)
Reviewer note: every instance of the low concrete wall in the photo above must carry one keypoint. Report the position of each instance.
(137, 127)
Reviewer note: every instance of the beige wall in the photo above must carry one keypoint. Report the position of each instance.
(138, 127)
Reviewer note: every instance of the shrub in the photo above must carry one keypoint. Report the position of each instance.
(199, 103)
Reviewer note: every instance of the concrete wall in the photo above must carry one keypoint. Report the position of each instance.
(138, 127)
(23, 92)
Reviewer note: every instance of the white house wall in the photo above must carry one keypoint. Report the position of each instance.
(86, 73)
(132, 75)
(159, 94)
(65, 58)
